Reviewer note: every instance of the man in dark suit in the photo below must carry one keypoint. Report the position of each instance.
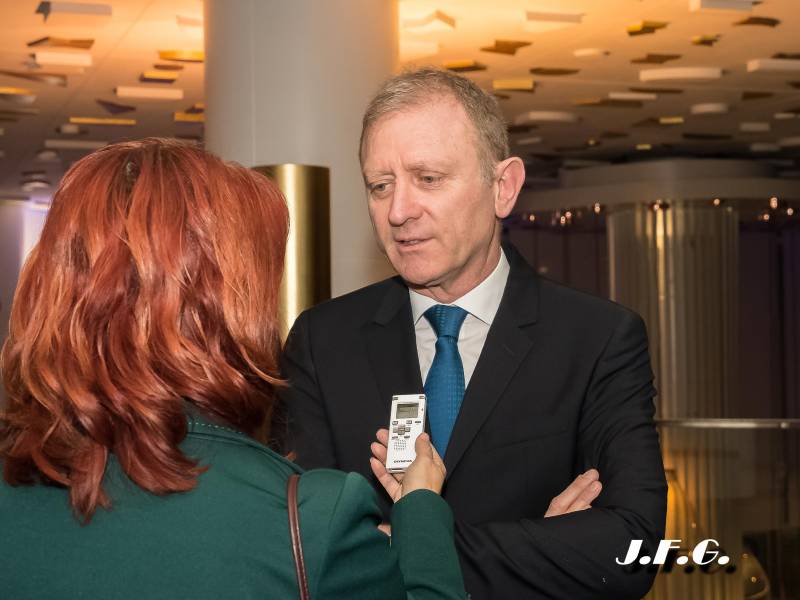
(530, 385)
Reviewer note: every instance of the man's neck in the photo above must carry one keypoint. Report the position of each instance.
(449, 292)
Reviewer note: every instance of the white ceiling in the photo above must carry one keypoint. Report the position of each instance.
(127, 44)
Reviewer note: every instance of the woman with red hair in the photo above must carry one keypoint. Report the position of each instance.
(140, 370)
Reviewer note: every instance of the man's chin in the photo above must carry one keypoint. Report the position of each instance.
(418, 280)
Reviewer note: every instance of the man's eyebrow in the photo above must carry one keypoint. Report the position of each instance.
(426, 166)
(370, 174)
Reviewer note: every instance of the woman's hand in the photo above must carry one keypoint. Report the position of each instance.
(427, 472)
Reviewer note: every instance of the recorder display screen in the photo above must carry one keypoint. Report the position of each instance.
(407, 411)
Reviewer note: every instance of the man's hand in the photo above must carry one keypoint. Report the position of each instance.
(579, 495)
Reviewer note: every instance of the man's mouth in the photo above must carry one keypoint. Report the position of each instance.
(409, 242)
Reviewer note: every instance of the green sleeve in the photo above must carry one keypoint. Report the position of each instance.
(349, 558)
(422, 536)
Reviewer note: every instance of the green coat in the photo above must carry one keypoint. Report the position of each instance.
(227, 538)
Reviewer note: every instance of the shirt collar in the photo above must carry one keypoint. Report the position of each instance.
(482, 301)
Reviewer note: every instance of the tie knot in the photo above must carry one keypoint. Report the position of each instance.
(446, 320)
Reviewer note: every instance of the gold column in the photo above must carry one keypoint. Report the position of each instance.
(307, 274)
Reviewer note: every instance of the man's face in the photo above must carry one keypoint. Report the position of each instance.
(432, 211)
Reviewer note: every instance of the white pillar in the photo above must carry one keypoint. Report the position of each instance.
(287, 81)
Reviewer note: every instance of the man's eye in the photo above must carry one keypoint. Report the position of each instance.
(378, 187)
(430, 179)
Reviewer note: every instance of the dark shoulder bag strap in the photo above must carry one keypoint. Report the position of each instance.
(294, 531)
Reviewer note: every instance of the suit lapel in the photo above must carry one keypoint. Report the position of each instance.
(392, 346)
(507, 344)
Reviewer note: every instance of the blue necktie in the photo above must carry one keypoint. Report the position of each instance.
(444, 386)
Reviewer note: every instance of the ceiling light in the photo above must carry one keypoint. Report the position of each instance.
(644, 147)
(50, 78)
(31, 186)
(188, 117)
(680, 73)
(670, 120)
(69, 129)
(54, 42)
(509, 47)
(436, 21)
(59, 144)
(640, 96)
(75, 8)
(101, 121)
(63, 59)
(529, 141)
(130, 91)
(463, 66)
(785, 116)
(520, 84)
(182, 55)
(789, 142)
(590, 52)
(705, 40)
(709, 108)
(543, 21)
(745, 5)
(754, 127)
(646, 27)
(17, 95)
(772, 65)
(47, 156)
(548, 116)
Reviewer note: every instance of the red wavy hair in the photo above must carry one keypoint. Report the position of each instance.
(155, 282)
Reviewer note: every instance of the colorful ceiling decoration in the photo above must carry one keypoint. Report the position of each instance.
(508, 47)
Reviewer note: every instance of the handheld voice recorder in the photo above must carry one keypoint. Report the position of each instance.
(407, 421)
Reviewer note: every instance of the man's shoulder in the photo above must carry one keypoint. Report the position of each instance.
(557, 297)
(356, 306)
(568, 309)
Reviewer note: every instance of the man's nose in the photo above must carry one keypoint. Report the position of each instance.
(404, 204)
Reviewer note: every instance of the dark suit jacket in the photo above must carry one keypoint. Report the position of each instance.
(563, 384)
(228, 537)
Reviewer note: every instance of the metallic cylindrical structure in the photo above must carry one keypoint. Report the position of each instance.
(307, 274)
(676, 264)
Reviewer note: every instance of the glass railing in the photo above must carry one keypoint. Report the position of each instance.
(734, 481)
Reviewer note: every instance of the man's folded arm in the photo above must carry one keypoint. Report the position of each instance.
(573, 555)
(307, 429)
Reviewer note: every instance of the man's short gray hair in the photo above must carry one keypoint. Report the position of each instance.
(414, 88)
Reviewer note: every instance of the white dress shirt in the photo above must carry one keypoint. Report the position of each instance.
(481, 304)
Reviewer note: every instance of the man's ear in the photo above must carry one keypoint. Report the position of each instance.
(509, 176)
